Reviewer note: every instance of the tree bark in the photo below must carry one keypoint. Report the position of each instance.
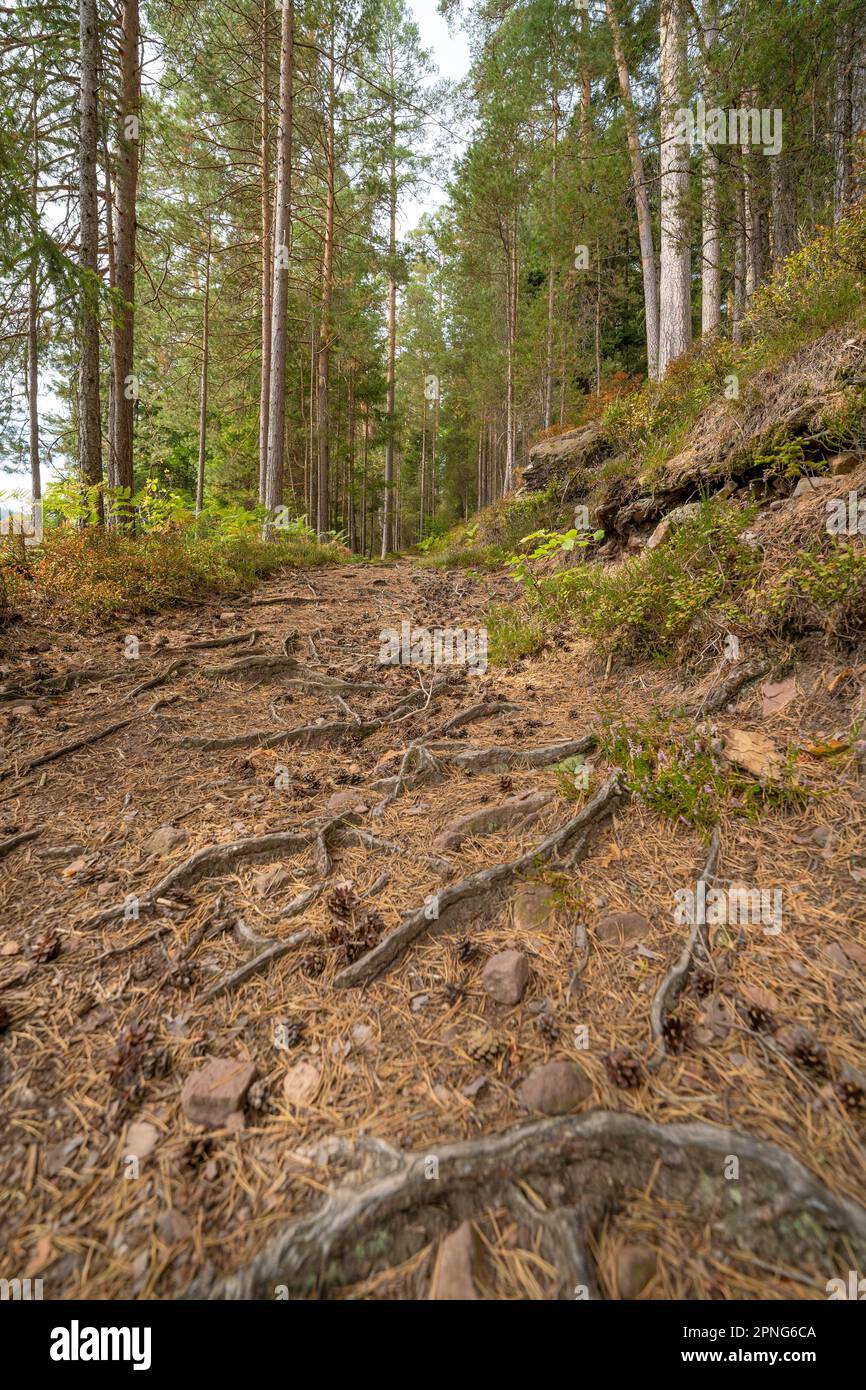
(124, 389)
(203, 387)
(641, 196)
(89, 419)
(33, 322)
(388, 500)
(280, 294)
(324, 356)
(711, 233)
(675, 316)
(267, 253)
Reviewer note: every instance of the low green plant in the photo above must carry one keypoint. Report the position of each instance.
(547, 543)
(513, 631)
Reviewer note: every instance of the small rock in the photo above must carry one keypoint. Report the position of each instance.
(456, 1264)
(806, 486)
(533, 906)
(172, 1227)
(271, 881)
(506, 976)
(555, 1088)
(620, 928)
(301, 1082)
(212, 1095)
(227, 617)
(141, 1139)
(165, 839)
(348, 803)
(419, 1002)
(667, 525)
(10, 948)
(635, 1267)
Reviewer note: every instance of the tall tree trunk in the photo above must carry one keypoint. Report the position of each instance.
(675, 316)
(89, 419)
(324, 365)
(551, 275)
(784, 225)
(280, 296)
(33, 321)
(267, 254)
(124, 388)
(390, 401)
(203, 387)
(641, 197)
(511, 278)
(711, 231)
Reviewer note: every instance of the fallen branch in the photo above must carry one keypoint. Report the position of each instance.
(22, 838)
(68, 748)
(674, 981)
(607, 800)
(173, 669)
(725, 691)
(352, 835)
(275, 951)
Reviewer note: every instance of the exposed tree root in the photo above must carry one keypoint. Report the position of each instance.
(479, 711)
(607, 800)
(207, 643)
(694, 950)
(275, 951)
(725, 691)
(352, 835)
(213, 861)
(494, 759)
(580, 1168)
(56, 685)
(281, 598)
(67, 748)
(174, 669)
(22, 838)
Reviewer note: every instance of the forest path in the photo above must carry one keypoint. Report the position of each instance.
(214, 872)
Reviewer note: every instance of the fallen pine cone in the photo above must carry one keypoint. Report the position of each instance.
(343, 901)
(46, 948)
(466, 950)
(851, 1095)
(803, 1048)
(676, 1035)
(313, 964)
(484, 1047)
(548, 1028)
(624, 1069)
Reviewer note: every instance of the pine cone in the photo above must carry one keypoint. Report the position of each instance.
(851, 1095)
(760, 1020)
(506, 784)
(46, 948)
(704, 982)
(548, 1027)
(343, 901)
(183, 975)
(290, 1033)
(313, 964)
(135, 1057)
(484, 1047)
(257, 1097)
(676, 1035)
(624, 1069)
(804, 1048)
(466, 950)
(453, 992)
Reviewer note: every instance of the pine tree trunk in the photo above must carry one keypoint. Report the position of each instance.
(89, 419)
(711, 233)
(33, 325)
(203, 387)
(675, 316)
(324, 358)
(280, 293)
(641, 196)
(388, 500)
(784, 234)
(124, 392)
(267, 253)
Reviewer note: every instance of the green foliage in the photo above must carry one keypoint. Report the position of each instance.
(644, 607)
(549, 543)
(93, 575)
(513, 632)
(675, 771)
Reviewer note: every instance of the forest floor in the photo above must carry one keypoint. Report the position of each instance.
(124, 941)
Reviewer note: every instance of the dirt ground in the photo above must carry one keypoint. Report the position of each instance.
(113, 996)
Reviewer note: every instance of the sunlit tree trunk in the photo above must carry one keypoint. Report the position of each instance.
(89, 420)
(125, 391)
(675, 307)
(280, 293)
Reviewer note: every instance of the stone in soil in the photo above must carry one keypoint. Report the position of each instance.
(556, 1088)
(215, 1095)
(456, 1267)
(635, 1267)
(621, 928)
(506, 976)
